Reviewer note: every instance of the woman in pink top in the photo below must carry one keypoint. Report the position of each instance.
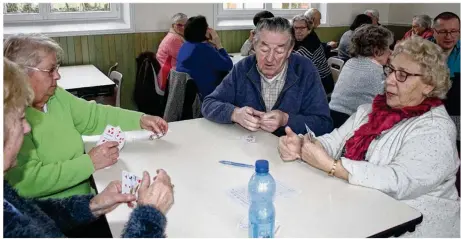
(421, 26)
(169, 48)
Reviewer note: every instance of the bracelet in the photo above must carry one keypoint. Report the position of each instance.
(332, 171)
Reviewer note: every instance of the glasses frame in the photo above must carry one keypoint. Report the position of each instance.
(393, 70)
(447, 32)
(49, 71)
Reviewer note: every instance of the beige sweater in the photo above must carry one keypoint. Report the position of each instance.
(415, 161)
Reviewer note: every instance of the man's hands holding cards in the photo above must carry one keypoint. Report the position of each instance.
(253, 120)
(158, 194)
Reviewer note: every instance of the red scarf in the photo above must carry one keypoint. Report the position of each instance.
(381, 118)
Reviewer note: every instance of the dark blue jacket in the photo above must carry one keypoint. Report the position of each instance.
(204, 64)
(51, 217)
(302, 98)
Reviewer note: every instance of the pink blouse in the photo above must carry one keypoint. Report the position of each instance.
(166, 55)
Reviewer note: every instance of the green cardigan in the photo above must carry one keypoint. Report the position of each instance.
(51, 162)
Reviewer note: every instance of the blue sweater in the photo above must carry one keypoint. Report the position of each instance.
(204, 64)
(51, 217)
(302, 97)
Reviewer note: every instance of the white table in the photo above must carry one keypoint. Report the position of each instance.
(236, 57)
(85, 79)
(326, 206)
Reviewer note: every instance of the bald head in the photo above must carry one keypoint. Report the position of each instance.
(314, 15)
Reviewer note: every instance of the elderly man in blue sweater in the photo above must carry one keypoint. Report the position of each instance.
(273, 88)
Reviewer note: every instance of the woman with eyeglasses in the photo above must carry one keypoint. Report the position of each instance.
(403, 144)
(52, 162)
(168, 49)
(420, 26)
(362, 77)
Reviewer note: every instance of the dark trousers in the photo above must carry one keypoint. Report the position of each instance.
(97, 229)
(339, 118)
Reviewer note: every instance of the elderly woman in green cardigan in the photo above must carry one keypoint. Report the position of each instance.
(52, 162)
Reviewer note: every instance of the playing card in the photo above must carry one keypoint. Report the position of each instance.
(119, 137)
(112, 133)
(126, 183)
(310, 134)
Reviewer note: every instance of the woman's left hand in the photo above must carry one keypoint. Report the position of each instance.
(109, 199)
(155, 124)
(315, 155)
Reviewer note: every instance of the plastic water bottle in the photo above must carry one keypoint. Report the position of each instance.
(261, 190)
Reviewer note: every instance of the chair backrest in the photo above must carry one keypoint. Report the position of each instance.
(336, 65)
(116, 77)
(112, 68)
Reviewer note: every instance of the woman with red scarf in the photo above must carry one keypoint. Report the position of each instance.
(403, 144)
(420, 26)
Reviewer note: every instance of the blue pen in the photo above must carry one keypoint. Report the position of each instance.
(236, 164)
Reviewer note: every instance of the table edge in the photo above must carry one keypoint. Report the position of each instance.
(399, 229)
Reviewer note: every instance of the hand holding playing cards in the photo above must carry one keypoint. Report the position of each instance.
(273, 120)
(104, 155)
(155, 124)
(109, 199)
(159, 194)
(290, 146)
(313, 153)
(247, 117)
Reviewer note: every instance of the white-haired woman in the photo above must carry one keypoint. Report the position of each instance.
(420, 26)
(52, 217)
(169, 47)
(403, 144)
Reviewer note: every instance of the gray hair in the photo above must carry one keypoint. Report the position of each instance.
(423, 21)
(301, 17)
(373, 12)
(310, 13)
(370, 40)
(30, 49)
(178, 17)
(275, 24)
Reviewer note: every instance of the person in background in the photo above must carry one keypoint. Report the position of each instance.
(315, 16)
(420, 26)
(403, 144)
(247, 47)
(308, 45)
(374, 14)
(202, 56)
(168, 49)
(345, 41)
(52, 162)
(272, 88)
(362, 76)
(53, 217)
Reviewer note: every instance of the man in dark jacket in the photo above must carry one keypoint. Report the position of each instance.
(273, 88)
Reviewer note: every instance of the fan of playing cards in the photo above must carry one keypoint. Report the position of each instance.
(130, 183)
(112, 133)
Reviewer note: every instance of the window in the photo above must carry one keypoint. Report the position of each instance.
(231, 15)
(33, 12)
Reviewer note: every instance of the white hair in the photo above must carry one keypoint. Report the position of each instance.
(178, 17)
(310, 13)
(373, 12)
(423, 21)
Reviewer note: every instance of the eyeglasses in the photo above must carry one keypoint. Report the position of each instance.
(179, 25)
(446, 33)
(50, 71)
(400, 75)
(299, 28)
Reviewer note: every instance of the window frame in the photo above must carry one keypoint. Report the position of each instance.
(244, 18)
(45, 15)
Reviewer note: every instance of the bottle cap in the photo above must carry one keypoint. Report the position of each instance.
(262, 166)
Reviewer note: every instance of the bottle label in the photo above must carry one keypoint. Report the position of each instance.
(265, 230)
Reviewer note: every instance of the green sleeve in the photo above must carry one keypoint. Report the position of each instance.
(91, 118)
(32, 178)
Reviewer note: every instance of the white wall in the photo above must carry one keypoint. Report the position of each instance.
(342, 14)
(155, 17)
(402, 13)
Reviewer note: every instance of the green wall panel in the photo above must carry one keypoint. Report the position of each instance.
(103, 51)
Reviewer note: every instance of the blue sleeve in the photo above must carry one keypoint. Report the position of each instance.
(68, 212)
(145, 222)
(315, 112)
(219, 105)
(219, 60)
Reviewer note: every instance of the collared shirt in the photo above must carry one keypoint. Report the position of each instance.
(271, 88)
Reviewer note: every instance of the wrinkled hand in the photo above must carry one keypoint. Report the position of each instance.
(155, 124)
(247, 117)
(109, 199)
(273, 120)
(315, 155)
(290, 146)
(104, 155)
(252, 35)
(159, 194)
(333, 44)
